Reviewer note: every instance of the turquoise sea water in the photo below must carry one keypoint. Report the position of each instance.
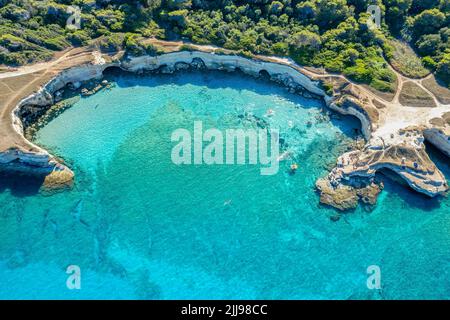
(141, 227)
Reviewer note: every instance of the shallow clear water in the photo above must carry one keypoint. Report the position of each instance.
(141, 227)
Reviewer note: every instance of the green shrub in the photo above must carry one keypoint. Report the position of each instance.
(79, 38)
(429, 63)
(327, 87)
(382, 85)
(359, 72)
(111, 43)
(443, 68)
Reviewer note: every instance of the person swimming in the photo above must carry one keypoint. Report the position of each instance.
(293, 168)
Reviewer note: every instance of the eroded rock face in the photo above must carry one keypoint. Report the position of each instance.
(56, 176)
(438, 132)
(349, 100)
(392, 143)
(408, 159)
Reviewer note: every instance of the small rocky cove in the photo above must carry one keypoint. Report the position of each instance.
(352, 181)
(34, 118)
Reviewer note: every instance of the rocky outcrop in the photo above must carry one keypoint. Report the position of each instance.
(401, 151)
(438, 132)
(439, 138)
(349, 100)
(347, 195)
(55, 175)
(408, 159)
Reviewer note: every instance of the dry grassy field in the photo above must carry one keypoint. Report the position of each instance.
(406, 61)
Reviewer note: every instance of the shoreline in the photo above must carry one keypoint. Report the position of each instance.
(353, 177)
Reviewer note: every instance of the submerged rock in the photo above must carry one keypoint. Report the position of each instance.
(345, 197)
(340, 197)
(59, 179)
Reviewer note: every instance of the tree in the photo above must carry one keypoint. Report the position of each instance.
(396, 12)
(445, 34)
(331, 12)
(304, 45)
(420, 5)
(429, 21)
(178, 17)
(178, 4)
(306, 10)
(429, 63)
(428, 44)
(360, 5)
(349, 56)
(443, 68)
(306, 40)
(276, 7)
(445, 6)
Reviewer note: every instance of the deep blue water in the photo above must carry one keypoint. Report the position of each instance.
(141, 227)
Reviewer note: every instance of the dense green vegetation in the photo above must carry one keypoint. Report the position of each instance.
(328, 33)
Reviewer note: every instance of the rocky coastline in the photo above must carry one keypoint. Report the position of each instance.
(350, 182)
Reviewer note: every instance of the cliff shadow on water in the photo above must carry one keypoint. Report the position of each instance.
(440, 159)
(20, 185)
(394, 184)
(126, 79)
